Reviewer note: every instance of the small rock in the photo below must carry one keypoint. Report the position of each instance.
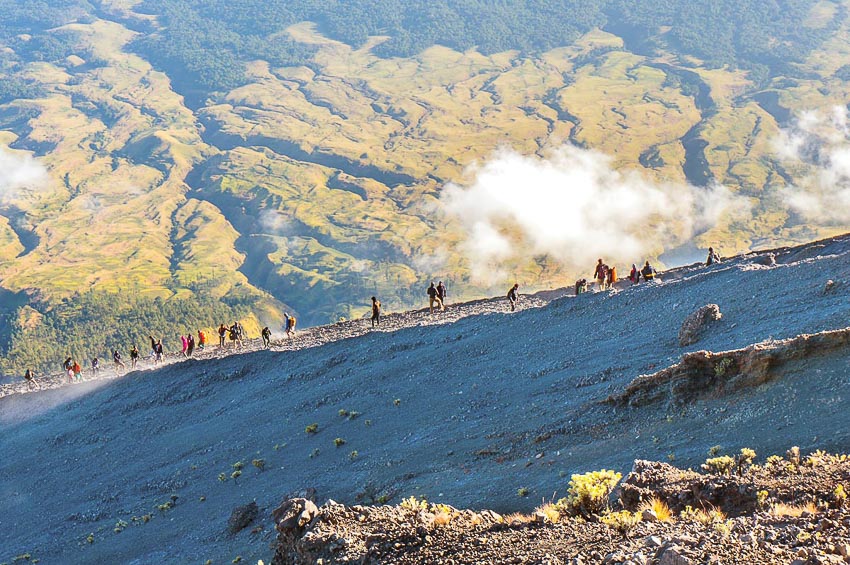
(843, 549)
(674, 555)
(649, 515)
(748, 539)
(654, 541)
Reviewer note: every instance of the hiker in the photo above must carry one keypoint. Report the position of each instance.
(612, 277)
(222, 331)
(648, 272)
(267, 337)
(134, 356)
(634, 274)
(376, 312)
(600, 274)
(185, 344)
(441, 292)
(153, 346)
(713, 257)
(434, 298)
(202, 340)
(117, 362)
(190, 344)
(78, 371)
(95, 366)
(68, 366)
(157, 348)
(29, 376)
(290, 325)
(240, 333)
(581, 286)
(513, 296)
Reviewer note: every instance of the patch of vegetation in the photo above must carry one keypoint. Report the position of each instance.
(311, 429)
(588, 493)
(622, 521)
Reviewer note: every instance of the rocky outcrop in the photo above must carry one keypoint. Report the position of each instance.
(703, 373)
(748, 524)
(697, 322)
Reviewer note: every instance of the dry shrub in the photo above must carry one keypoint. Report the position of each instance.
(702, 516)
(659, 507)
(550, 511)
(781, 509)
(443, 519)
(518, 517)
(622, 521)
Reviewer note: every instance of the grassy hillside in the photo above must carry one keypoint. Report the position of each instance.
(269, 155)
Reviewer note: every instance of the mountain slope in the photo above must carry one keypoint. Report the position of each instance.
(464, 413)
(271, 157)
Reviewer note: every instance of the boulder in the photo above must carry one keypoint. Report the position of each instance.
(696, 323)
(241, 517)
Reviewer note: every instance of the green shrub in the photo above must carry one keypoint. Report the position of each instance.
(744, 459)
(339, 442)
(722, 465)
(622, 521)
(312, 429)
(588, 493)
(259, 464)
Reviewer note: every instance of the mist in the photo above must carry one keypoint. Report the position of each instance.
(817, 148)
(575, 207)
(19, 172)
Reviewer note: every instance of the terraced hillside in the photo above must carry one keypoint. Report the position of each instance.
(239, 159)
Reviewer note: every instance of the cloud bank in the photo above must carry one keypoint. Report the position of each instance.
(818, 144)
(18, 173)
(575, 207)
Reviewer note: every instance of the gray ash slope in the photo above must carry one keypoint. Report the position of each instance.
(486, 404)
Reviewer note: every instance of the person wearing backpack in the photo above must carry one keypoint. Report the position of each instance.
(648, 272)
(290, 326)
(433, 298)
(267, 337)
(441, 292)
(202, 340)
(612, 277)
(157, 352)
(713, 257)
(78, 371)
(95, 366)
(600, 275)
(117, 362)
(29, 376)
(190, 344)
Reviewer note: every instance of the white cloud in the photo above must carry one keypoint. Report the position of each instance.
(18, 173)
(575, 207)
(818, 144)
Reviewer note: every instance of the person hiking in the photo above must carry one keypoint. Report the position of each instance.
(581, 286)
(68, 367)
(153, 346)
(433, 298)
(600, 275)
(29, 376)
(442, 292)
(612, 277)
(222, 332)
(290, 326)
(134, 356)
(634, 274)
(157, 349)
(185, 343)
(266, 334)
(513, 296)
(202, 340)
(190, 344)
(713, 257)
(117, 362)
(95, 366)
(78, 371)
(376, 312)
(648, 272)
(240, 333)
